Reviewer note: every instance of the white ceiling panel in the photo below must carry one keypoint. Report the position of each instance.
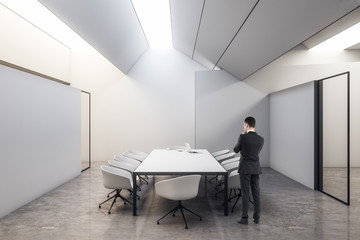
(110, 26)
(185, 18)
(275, 27)
(219, 24)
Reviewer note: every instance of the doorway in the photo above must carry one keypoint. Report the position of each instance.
(333, 136)
(85, 130)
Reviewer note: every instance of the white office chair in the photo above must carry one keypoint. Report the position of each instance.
(230, 160)
(136, 152)
(134, 159)
(225, 156)
(134, 156)
(118, 179)
(220, 159)
(179, 189)
(229, 168)
(219, 153)
(233, 185)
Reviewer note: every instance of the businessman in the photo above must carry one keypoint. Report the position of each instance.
(249, 145)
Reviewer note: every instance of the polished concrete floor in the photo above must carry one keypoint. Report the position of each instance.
(289, 211)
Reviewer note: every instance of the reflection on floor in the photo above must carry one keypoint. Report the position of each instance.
(335, 183)
(289, 211)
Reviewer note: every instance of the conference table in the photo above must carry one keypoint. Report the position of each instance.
(180, 162)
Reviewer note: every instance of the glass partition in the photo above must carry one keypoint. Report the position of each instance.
(334, 137)
(85, 130)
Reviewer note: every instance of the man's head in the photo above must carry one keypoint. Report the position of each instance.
(249, 123)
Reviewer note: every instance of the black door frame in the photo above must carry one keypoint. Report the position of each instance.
(89, 131)
(319, 137)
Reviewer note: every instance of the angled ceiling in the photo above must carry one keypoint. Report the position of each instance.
(242, 36)
(238, 36)
(111, 27)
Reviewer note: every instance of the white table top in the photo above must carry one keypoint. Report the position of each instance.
(162, 161)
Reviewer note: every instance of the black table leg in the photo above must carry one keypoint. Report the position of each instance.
(134, 194)
(226, 195)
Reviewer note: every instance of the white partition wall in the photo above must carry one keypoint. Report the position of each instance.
(40, 137)
(292, 133)
(222, 104)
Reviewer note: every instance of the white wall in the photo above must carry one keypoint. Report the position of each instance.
(292, 133)
(222, 104)
(23, 44)
(40, 137)
(301, 66)
(153, 106)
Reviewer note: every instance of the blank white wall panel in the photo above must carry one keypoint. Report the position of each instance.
(292, 133)
(25, 45)
(222, 104)
(40, 140)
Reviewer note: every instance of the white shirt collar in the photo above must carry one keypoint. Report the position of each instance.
(250, 131)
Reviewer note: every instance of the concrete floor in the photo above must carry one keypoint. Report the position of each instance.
(289, 211)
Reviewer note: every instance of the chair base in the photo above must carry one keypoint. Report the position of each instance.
(181, 208)
(117, 195)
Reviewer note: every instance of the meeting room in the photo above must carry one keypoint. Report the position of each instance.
(179, 119)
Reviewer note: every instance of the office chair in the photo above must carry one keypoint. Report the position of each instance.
(118, 179)
(219, 153)
(220, 159)
(179, 189)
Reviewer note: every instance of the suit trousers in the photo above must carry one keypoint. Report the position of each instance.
(247, 181)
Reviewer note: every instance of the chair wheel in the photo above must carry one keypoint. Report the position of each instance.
(158, 222)
(108, 212)
(186, 227)
(200, 219)
(99, 206)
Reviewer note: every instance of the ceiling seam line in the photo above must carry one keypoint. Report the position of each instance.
(171, 25)
(132, 4)
(236, 34)
(197, 33)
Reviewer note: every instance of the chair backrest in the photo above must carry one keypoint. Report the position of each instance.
(231, 166)
(179, 188)
(234, 180)
(116, 178)
(230, 160)
(131, 161)
(123, 165)
(225, 156)
(221, 152)
(136, 152)
(134, 156)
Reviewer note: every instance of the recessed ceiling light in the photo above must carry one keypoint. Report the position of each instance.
(341, 41)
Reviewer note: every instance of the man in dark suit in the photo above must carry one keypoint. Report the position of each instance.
(249, 145)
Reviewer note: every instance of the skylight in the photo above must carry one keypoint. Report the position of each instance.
(341, 41)
(154, 17)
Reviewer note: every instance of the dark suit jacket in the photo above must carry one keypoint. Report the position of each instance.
(250, 145)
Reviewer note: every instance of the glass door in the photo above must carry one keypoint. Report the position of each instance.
(334, 136)
(85, 130)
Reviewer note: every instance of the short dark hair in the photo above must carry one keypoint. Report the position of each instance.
(250, 121)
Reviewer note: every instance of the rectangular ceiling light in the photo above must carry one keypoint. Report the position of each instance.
(341, 41)
(154, 17)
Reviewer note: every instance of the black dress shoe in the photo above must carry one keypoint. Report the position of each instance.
(256, 220)
(242, 221)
